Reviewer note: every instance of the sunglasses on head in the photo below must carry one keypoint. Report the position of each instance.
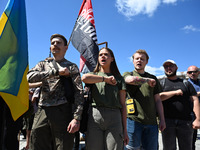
(190, 72)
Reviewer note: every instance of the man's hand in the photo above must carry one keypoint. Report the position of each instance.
(162, 125)
(73, 126)
(126, 139)
(196, 124)
(110, 80)
(179, 92)
(151, 82)
(64, 71)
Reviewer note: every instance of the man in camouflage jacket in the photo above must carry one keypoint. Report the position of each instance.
(56, 121)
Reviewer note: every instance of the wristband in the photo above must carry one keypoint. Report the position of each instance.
(103, 79)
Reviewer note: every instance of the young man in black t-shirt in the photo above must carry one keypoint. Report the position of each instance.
(177, 96)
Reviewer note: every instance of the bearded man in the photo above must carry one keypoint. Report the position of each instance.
(178, 96)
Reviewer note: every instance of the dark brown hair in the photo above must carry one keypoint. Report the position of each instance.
(61, 36)
(113, 66)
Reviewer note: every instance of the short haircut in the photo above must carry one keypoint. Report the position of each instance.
(141, 51)
(61, 36)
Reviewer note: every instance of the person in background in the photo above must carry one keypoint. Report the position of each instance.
(34, 93)
(107, 117)
(143, 92)
(193, 73)
(177, 96)
(9, 128)
(56, 121)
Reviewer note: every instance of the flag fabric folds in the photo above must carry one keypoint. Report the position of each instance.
(14, 57)
(84, 37)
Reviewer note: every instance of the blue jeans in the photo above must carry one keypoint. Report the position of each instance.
(142, 136)
(180, 129)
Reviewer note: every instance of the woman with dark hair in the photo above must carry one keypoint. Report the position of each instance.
(107, 118)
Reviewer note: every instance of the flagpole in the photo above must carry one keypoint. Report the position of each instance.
(72, 32)
(104, 43)
(84, 1)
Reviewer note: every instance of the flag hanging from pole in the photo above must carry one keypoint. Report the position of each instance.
(84, 37)
(14, 57)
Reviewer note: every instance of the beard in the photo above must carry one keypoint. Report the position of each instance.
(171, 74)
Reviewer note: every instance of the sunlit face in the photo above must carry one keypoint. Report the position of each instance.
(57, 47)
(105, 58)
(170, 69)
(193, 72)
(139, 61)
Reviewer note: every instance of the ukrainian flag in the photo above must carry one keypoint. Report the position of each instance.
(14, 57)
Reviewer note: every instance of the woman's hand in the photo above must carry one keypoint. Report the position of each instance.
(110, 80)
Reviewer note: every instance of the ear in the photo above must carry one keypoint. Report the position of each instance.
(147, 62)
(112, 59)
(66, 47)
(133, 61)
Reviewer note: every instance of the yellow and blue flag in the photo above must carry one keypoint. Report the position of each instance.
(14, 57)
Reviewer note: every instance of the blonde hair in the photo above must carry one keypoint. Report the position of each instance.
(141, 51)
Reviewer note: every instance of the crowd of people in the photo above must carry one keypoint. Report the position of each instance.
(126, 111)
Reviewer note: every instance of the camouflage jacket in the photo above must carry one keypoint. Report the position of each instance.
(52, 90)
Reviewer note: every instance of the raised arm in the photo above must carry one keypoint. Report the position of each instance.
(166, 95)
(135, 80)
(34, 85)
(91, 78)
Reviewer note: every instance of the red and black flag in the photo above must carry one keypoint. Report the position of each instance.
(84, 37)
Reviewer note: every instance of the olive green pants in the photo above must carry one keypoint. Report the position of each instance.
(104, 130)
(49, 131)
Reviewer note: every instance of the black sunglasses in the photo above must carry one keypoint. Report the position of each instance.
(190, 72)
(170, 66)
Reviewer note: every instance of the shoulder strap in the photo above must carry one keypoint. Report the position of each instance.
(54, 64)
(162, 82)
(186, 84)
(131, 73)
(88, 93)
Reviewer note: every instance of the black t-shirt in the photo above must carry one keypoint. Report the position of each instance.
(178, 107)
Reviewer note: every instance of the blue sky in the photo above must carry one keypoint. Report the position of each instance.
(166, 29)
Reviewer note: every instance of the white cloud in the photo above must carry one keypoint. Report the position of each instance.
(131, 8)
(155, 71)
(189, 28)
(159, 72)
(169, 1)
(130, 59)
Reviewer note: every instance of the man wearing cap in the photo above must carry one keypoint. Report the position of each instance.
(193, 73)
(177, 96)
(56, 121)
